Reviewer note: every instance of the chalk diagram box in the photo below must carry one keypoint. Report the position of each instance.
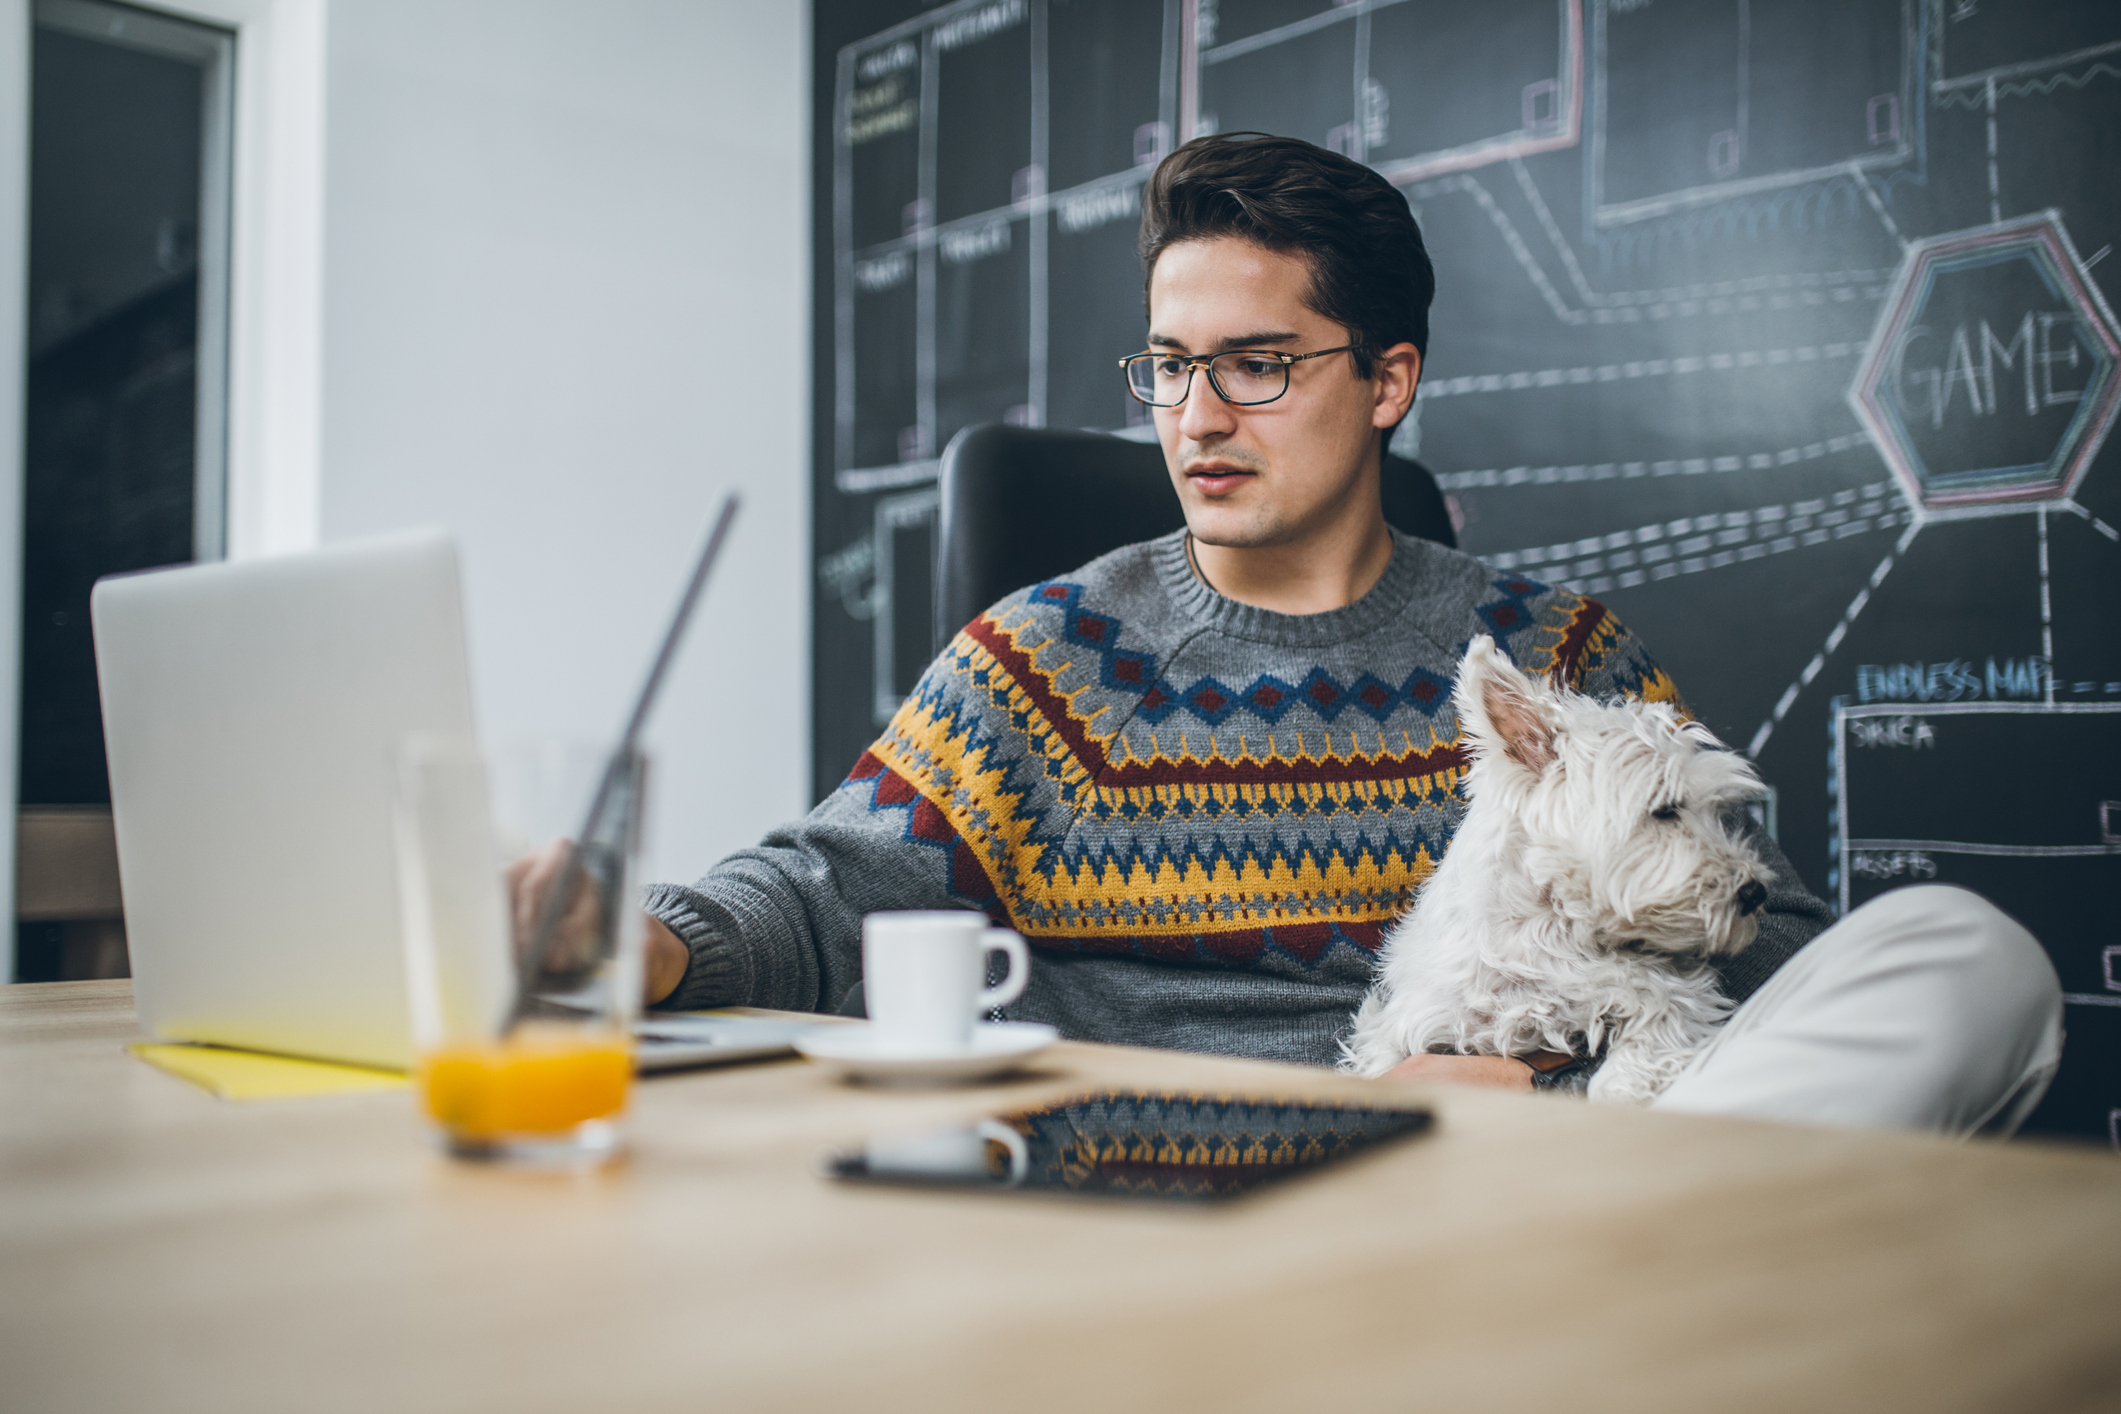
(1115, 111)
(982, 325)
(882, 357)
(1978, 42)
(880, 141)
(1414, 90)
(982, 131)
(1698, 103)
(1296, 80)
(1991, 380)
(2018, 802)
(1092, 248)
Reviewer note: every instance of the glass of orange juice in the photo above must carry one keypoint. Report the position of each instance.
(522, 944)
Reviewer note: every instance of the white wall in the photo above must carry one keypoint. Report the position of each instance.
(565, 308)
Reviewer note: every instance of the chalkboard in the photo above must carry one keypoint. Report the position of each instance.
(1781, 326)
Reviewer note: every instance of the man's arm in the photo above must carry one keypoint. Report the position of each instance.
(780, 925)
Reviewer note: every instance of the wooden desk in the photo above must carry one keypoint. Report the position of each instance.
(163, 1250)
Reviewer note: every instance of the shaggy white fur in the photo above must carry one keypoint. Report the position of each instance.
(1579, 902)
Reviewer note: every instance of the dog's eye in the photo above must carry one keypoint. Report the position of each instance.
(1665, 812)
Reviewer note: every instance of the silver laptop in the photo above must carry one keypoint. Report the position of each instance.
(252, 714)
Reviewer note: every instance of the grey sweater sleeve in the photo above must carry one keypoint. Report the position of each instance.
(780, 925)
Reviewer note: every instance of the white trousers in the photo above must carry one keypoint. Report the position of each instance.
(1925, 1009)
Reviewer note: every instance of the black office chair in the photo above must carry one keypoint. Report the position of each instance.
(1023, 504)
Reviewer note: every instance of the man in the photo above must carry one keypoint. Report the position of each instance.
(1202, 775)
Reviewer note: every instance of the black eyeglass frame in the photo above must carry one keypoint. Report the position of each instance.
(1207, 365)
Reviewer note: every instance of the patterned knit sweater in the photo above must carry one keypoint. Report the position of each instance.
(1201, 815)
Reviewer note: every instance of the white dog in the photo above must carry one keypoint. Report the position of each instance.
(1578, 905)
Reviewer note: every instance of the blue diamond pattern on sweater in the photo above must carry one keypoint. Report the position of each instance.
(1325, 697)
(1373, 697)
(1510, 614)
(1270, 698)
(1124, 670)
(1210, 701)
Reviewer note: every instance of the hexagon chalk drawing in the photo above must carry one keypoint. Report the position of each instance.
(1995, 371)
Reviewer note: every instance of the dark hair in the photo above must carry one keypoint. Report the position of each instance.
(1370, 271)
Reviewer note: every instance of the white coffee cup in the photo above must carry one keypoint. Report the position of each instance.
(922, 975)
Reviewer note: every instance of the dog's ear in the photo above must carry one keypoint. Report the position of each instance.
(1501, 707)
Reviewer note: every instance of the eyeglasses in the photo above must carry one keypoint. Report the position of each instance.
(1243, 377)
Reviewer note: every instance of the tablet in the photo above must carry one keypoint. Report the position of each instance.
(1135, 1144)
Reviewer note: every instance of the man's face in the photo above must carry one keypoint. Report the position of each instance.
(1273, 473)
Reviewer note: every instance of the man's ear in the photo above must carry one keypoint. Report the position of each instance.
(1396, 375)
(1501, 708)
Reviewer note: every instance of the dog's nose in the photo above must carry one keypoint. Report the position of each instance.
(1751, 895)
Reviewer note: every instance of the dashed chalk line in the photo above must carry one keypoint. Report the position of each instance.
(1620, 471)
(1812, 669)
(1694, 544)
(1643, 368)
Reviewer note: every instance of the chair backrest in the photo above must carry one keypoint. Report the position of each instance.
(1023, 504)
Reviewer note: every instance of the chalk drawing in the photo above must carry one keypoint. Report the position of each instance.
(1641, 42)
(1817, 662)
(1628, 471)
(1756, 294)
(1988, 366)
(1994, 373)
(1639, 368)
(1690, 545)
(2023, 719)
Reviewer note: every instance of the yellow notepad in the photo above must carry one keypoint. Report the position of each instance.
(253, 1075)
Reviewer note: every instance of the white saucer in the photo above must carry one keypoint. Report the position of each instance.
(850, 1052)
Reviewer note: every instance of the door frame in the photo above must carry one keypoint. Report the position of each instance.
(275, 312)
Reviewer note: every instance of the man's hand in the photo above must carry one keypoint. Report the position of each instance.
(666, 961)
(574, 941)
(573, 946)
(1499, 1072)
